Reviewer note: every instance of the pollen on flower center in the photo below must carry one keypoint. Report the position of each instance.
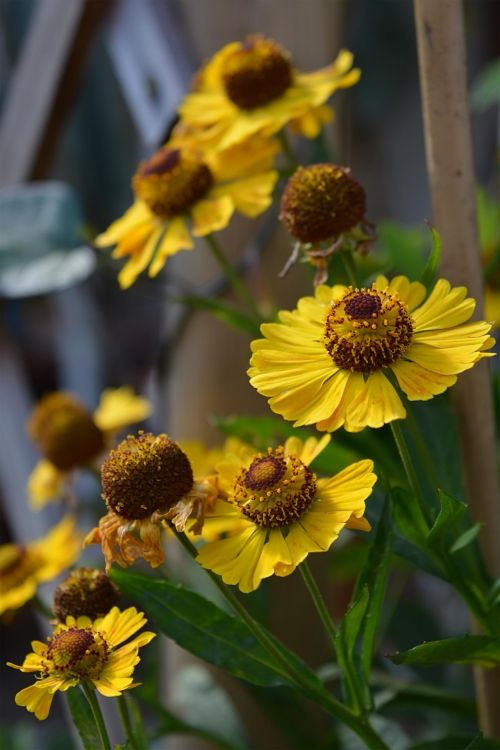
(172, 181)
(265, 472)
(367, 329)
(145, 474)
(77, 652)
(256, 73)
(321, 201)
(275, 490)
(65, 431)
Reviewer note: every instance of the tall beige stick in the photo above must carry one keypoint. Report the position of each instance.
(441, 52)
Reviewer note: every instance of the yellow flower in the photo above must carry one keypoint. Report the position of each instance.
(284, 511)
(330, 361)
(251, 87)
(81, 650)
(23, 568)
(179, 186)
(146, 480)
(70, 437)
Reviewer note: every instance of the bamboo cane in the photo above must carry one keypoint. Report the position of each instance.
(441, 52)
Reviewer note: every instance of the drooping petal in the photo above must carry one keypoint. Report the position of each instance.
(211, 215)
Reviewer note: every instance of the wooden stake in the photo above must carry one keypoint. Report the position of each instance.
(441, 52)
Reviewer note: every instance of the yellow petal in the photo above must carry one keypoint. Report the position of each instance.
(136, 215)
(35, 699)
(250, 195)
(45, 484)
(175, 239)
(139, 261)
(117, 626)
(120, 407)
(211, 215)
(418, 383)
(374, 404)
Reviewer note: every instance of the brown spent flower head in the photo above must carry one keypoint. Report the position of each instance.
(64, 431)
(321, 201)
(145, 474)
(85, 591)
(256, 73)
(172, 180)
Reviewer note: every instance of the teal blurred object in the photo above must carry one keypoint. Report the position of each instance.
(41, 240)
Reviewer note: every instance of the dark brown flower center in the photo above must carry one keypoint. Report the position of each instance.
(86, 591)
(257, 73)
(77, 652)
(275, 490)
(145, 474)
(65, 432)
(320, 202)
(367, 329)
(172, 181)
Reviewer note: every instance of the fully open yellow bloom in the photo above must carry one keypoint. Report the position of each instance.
(182, 193)
(331, 361)
(280, 511)
(71, 437)
(24, 567)
(81, 650)
(251, 88)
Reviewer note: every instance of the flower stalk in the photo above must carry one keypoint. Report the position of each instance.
(97, 714)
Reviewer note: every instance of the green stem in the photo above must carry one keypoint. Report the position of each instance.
(96, 712)
(421, 447)
(127, 724)
(319, 602)
(350, 674)
(287, 150)
(404, 454)
(358, 724)
(349, 268)
(236, 282)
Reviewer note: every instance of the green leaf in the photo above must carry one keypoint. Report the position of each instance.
(373, 578)
(224, 312)
(483, 650)
(451, 511)
(466, 538)
(485, 90)
(205, 630)
(136, 721)
(83, 718)
(345, 647)
(429, 275)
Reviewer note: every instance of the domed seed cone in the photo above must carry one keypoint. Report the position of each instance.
(86, 591)
(145, 474)
(320, 202)
(64, 431)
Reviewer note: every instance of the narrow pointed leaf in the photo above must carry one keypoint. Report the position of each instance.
(429, 274)
(202, 628)
(83, 718)
(450, 512)
(482, 650)
(466, 538)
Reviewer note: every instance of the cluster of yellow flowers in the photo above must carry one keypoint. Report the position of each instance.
(342, 358)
